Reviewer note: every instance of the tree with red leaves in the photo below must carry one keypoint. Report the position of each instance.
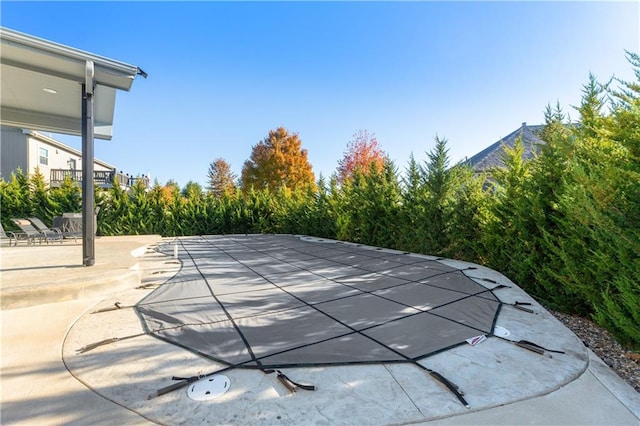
(363, 154)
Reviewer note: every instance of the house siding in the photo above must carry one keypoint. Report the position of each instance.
(13, 154)
(20, 149)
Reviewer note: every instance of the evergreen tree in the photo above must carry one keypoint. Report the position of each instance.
(42, 205)
(15, 199)
(323, 218)
(192, 190)
(175, 222)
(510, 227)
(67, 197)
(625, 111)
(116, 214)
(158, 206)
(597, 242)
(414, 199)
(471, 214)
(142, 219)
(546, 184)
(439, 184)
(591, 109)
(377, 206)
(221, 179)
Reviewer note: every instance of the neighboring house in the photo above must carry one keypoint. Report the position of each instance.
(491, 157)
(28, 149)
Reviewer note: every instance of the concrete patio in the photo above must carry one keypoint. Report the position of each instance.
(47, 299)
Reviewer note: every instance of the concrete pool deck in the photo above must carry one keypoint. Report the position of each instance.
(46, 303)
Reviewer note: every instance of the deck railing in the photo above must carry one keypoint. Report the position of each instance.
(102, 178)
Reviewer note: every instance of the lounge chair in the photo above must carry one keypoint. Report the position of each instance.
(11, 236)
(29, 233)
(51, 234)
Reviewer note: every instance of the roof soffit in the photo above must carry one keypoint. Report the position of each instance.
(29, 65)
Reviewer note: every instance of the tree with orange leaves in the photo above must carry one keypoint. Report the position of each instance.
(362, 153)
(278, 161)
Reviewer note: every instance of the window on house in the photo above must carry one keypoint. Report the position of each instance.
(44, 156)
(72, 163)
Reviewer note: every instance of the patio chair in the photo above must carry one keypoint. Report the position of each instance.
(10, 236)
(51, 234)
(28, 233)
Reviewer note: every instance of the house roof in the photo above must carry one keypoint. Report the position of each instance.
(491, 156)
(41, 85)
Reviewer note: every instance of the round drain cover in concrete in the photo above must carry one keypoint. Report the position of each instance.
(209, 388)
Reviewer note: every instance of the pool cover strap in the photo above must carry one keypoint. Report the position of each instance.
(521, 306)
(447, 383)
(288, 383)
(536, 348)
(115, 307)
(92, 346)
(182, 383)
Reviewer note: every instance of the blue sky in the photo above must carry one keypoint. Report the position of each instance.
(221, 75)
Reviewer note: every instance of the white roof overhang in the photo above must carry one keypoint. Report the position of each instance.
(41, 85)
